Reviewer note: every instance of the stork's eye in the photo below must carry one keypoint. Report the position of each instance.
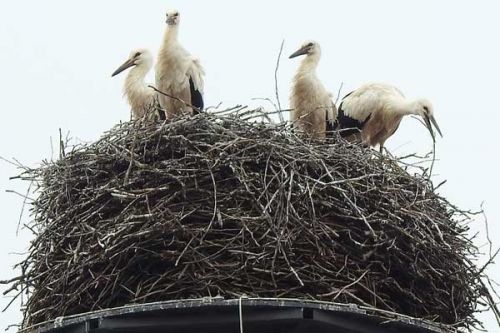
(310, 45)
(176, 14)
(426, 109)
(137, 54)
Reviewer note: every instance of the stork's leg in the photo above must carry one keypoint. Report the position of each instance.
(387, 152)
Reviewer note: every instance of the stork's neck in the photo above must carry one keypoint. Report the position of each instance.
(308, 65)
(171, 33)
(135, 84)
(405, 107)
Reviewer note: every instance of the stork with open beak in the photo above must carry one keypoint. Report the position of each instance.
(178, 74)
(141, 98)
(313, 111)
(373, 112)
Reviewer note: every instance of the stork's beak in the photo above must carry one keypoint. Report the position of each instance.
(429, 121)
(301, 51)
(434, 122)
(124, 66)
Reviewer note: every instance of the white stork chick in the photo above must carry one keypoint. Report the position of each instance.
(140, 97)
(372, 113)
(178, 74)
(313, 111)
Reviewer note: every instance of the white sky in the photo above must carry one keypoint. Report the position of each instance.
(57, 57)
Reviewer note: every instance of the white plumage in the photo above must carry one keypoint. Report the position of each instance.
(312, 108)
(373, 112)
(178, 74)
(140, 97)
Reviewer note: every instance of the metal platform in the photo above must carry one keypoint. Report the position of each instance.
(246, 315)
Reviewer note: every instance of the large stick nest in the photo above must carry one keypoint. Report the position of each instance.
(213, 205)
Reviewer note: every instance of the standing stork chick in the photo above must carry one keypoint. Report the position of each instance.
(141, 98)
(178, 74)
(312, 108)
(372, 113)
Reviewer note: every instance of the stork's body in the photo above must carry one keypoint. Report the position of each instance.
(178, 74)
(372, 113)
(141, 98)
(311, 104)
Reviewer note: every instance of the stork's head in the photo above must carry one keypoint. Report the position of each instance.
(424, 108)
(309, 48)
(139, 57)
(173, 17)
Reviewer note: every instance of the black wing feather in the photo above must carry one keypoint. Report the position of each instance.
(333, 124)
(348, 95)
(196, 97)
(348, 125)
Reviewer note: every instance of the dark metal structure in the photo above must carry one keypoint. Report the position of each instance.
(245, 315)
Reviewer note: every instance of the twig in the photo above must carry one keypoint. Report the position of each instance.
(338, 93)
(175, 98)
(62, 153)
(280, 115)
(490, 243)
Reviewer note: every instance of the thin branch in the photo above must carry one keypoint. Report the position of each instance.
(282, 119)
(175, 98)
(338, 93)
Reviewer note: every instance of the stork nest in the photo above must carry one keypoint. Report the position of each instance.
(214, 205)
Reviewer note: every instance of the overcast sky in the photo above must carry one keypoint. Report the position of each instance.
(57, 57)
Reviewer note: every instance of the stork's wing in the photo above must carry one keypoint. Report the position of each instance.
(195, 74)
(196, 97)
(359, 104)
(349, 125)
(354, 111)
